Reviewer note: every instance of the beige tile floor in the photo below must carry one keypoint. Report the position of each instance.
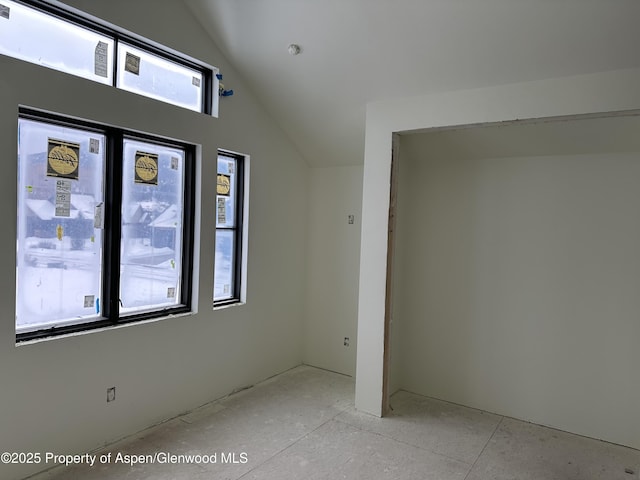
(302, 425)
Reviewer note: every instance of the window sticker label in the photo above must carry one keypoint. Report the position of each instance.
(174, 163)
(132, 64)
(5, 12)
(89, 301)
(222, 210)
(195, 81)
(146, 166)
(100, 64)
(226, 289)
(94, 145)
(98, 216)
(171, 292)
(63, 198)
(223, 184)
(63, 159)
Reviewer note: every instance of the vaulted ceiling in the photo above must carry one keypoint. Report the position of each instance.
(359, 51)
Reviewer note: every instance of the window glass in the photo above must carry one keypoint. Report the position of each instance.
(223, 281)
(39, 38)
(150, 75)
(226, 258)
(152, 221)
(226, 192)
(59, 248)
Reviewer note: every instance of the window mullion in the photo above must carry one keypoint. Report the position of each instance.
(188, 226)
(113, 226)
(114, 64)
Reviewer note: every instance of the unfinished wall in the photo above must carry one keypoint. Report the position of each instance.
(518, 286)
(334, 257)
(54, 392)
(583, 94)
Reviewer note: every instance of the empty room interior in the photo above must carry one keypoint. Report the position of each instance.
(388, 239)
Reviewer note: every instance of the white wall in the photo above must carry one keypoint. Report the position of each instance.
(585, 94)
(520, 274)
(333, 268)
(54, 392)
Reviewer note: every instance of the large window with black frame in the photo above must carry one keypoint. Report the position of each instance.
(105, 230)
(229, 220)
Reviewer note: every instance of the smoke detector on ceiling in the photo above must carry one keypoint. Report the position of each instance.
(294, 49)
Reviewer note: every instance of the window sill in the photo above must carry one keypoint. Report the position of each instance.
(102, 329)
(228, 304)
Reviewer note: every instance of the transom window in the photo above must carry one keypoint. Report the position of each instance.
(48, 35)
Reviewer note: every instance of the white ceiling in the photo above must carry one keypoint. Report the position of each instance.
(358, 51)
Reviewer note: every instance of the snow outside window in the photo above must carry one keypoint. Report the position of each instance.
(105, 226)
(152, 213)
(59, 257)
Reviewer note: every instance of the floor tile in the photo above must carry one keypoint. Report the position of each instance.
(341, 451)
(524, 451)
(303, 424)
(253, 425)
(433, 425)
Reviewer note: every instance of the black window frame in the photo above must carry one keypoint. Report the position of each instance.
(112, 226)
(238, 229)
(120, 35)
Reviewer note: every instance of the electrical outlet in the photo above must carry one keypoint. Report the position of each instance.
(111, 394)
(352, 219)
(346, 341)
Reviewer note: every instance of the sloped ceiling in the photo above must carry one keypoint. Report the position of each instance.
(358, 51)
